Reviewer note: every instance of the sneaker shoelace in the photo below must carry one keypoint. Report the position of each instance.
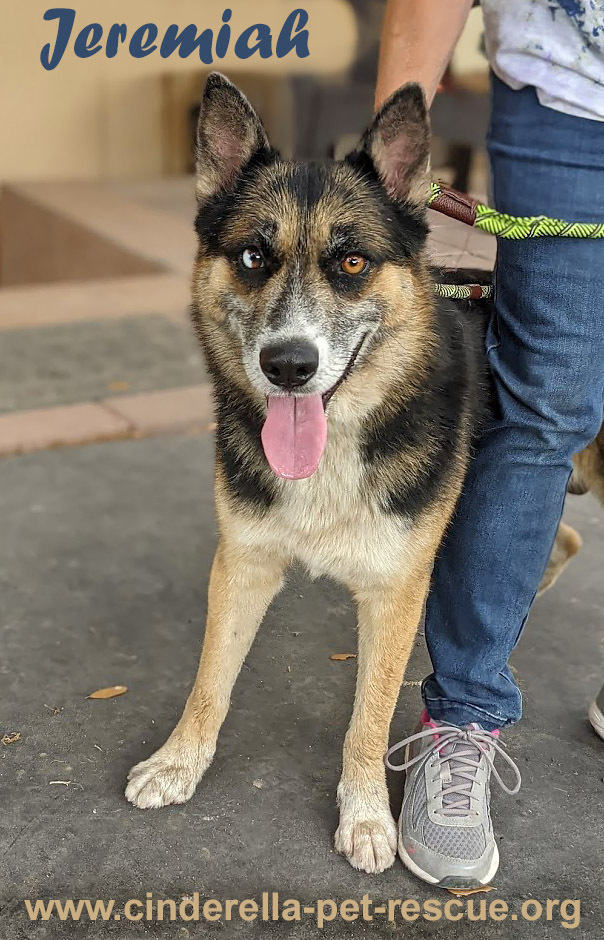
(456, 755)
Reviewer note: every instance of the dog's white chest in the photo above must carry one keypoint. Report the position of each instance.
(332, 522)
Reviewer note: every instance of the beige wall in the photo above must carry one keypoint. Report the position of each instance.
(467, 58)
(102, 118)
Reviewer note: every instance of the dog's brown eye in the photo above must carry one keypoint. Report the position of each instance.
(353, 263)
(252, 258)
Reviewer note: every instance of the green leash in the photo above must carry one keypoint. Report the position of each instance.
(468, 210)
(464, 291)
(460, 206)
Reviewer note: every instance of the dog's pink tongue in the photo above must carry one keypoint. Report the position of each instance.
(294, 435)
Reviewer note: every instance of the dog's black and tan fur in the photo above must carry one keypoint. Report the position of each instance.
(404, 384)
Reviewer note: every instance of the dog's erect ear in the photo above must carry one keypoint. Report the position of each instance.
(229, 134)
(398, 143)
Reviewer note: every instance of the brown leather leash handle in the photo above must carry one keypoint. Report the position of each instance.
(456, 205)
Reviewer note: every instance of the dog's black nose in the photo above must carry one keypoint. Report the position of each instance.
(290, 364)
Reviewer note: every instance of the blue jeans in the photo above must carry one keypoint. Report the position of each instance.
(545, 347)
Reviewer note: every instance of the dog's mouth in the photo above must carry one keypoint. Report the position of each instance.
(327, 396)
(295, 431)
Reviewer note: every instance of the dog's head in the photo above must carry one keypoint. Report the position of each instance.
(304, 269)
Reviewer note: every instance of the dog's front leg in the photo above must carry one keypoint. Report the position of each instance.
(242, 585)
(388, 620)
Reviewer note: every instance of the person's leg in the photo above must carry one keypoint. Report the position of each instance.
(546, 352)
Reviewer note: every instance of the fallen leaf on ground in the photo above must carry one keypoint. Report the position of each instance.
(341, 657)
(118, 386)
(258, 784)
(10, 738)
(110, 692)
(466, 892)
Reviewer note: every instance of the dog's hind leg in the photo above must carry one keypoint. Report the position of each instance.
(588, 471)
(587, 475)
(567, 544)
(242, 584)
(388, 620)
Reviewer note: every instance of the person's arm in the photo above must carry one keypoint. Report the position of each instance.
(418, 38)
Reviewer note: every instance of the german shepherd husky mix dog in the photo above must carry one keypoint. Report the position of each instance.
(347, 401)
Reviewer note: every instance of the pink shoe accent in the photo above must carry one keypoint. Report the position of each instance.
(475, 726)
(428, 723)
(426, 720)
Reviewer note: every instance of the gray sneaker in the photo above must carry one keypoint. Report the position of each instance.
(445, 830)
(596, 713)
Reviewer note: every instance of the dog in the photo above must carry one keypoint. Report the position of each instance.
(587, 475)
(347, 403)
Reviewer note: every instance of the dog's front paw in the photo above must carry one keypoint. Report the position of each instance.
(168, 776)
(368, 844)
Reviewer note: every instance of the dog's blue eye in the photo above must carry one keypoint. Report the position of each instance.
(252, 259)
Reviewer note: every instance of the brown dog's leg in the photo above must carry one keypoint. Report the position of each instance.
(388, 620)
(242, 585)
(588, 472)
(568, 542)
(587, 475)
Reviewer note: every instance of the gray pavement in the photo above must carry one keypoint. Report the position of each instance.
(104, 559)
(69, 363)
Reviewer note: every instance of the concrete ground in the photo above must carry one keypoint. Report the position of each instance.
(69, 363)
(103, 570)
(104, 560)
